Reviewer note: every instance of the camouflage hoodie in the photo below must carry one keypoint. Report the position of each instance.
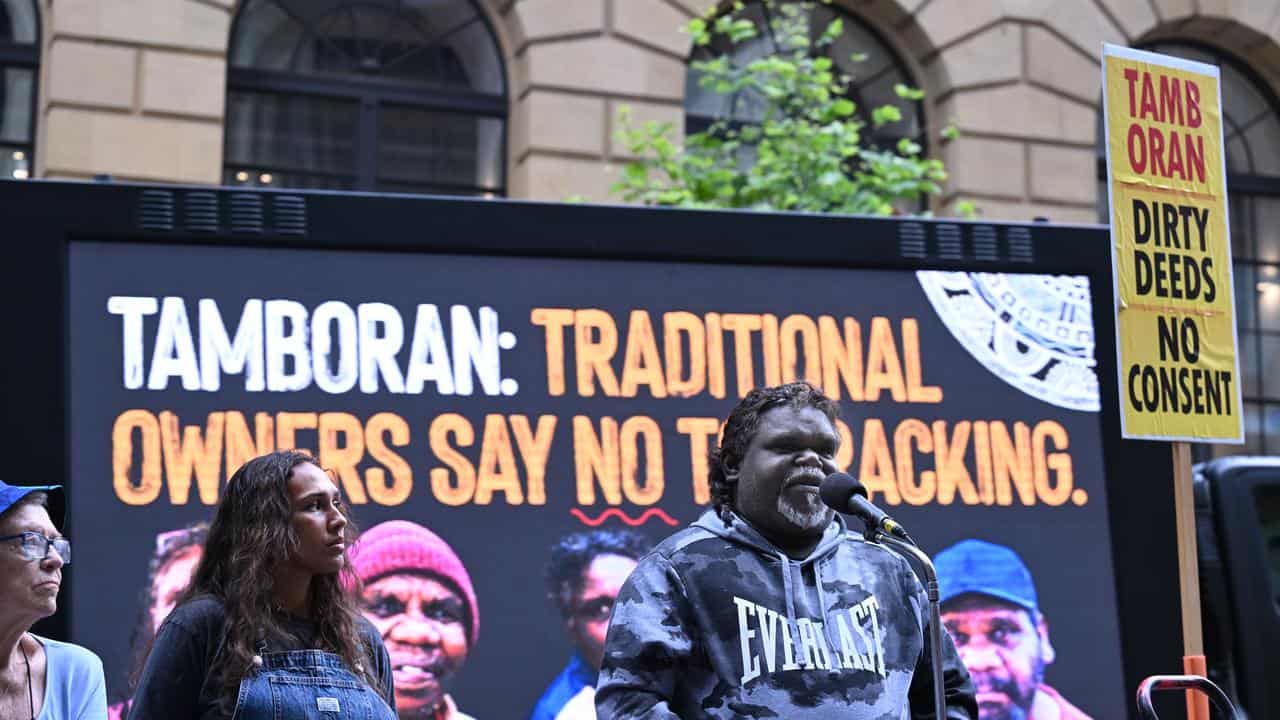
(717, 622)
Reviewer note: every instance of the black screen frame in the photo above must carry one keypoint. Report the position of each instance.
(42, 219)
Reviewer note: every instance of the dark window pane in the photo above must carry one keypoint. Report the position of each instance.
(320, 116)
(1270, 442)
(433, 148)
(873, 78)
(1266, 226)
(445, 43)
(1238, 158)
(434, 18)
(1247, 353)
(369, 40)
(702, 105)
(258, 177)
(1247, 295)
(1262, 137)
(17, 92)
(1240, 97)
(1243, 223)
(1267, 501)
(1268, 293)
(474, 48)
(268, 38)
(856, 39)
(1253, 429)
(18, 21)
(284, 133)
(15, 163)
(1269, 367)
(1185, 52)
(878, 91)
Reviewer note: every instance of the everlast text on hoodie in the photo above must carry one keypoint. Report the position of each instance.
(717, 622)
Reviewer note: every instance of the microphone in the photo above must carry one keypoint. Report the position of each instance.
(843, 493)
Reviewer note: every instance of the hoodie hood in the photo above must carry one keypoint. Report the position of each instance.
(740, 532)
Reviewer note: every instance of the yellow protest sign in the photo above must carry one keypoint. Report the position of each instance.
(1170, 248)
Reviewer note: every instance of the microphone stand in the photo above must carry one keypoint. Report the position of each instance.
(875, 534)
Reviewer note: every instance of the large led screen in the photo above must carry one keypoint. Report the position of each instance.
(505, 403)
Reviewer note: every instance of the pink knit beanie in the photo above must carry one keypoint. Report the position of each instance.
(398, 545)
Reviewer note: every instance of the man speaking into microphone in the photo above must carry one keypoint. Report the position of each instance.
(767, 606)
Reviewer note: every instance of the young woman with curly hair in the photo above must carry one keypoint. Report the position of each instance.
(268, 627)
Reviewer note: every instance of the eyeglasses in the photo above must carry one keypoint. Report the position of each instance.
(36, 546)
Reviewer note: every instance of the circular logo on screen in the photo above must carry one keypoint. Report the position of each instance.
(1035, 332)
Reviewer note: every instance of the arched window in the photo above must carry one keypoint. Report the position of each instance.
(382, 95)
(873, 77)
(1251, 131)
(19, 58)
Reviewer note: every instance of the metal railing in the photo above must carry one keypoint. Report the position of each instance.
(1183, 682)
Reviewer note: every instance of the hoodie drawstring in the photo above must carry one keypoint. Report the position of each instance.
(822, 607)
(788, 592)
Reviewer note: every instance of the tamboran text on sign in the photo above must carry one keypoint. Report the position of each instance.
(1171, 248)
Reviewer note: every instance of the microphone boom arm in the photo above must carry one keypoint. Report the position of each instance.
(902, 547)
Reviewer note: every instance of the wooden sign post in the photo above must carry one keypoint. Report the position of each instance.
(1193, 659)
(1171, 259)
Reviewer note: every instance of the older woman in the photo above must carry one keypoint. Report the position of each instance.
(39, 678)
(419, 596)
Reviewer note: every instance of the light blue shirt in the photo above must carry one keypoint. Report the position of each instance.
(74, 685)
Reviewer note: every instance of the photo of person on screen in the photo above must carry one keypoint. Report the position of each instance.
(419, 596)
(584, 575)
(177, 553)
(990, 608)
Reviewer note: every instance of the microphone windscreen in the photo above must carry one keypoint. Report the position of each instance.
(838, 488)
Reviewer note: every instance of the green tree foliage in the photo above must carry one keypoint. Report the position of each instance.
(807, 152)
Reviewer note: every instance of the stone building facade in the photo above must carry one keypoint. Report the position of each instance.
(138, 89)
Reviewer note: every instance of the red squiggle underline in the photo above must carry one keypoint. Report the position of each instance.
(633, 522)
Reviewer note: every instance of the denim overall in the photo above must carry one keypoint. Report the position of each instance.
(307, 685)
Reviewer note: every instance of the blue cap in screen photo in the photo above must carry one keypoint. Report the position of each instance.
(979, 567)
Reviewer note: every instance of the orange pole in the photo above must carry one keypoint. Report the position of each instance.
(1197, 702)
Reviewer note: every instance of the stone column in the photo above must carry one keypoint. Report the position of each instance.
(134, 89)
(576, 63)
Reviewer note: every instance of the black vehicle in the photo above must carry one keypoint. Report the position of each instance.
(1238, 536)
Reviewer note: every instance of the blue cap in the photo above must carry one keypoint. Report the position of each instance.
(983, 568)
(10, 494)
